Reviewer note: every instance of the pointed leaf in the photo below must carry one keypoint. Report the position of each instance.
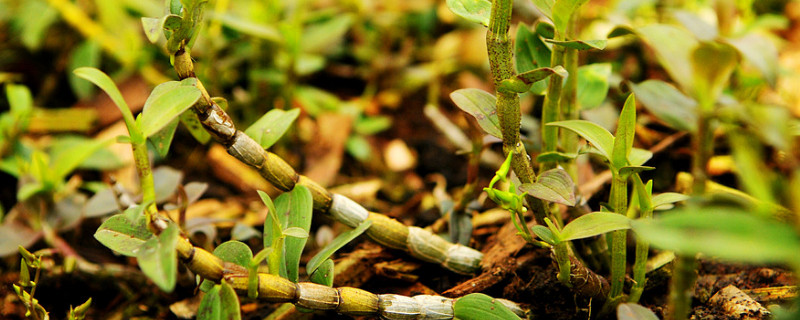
(323, 274)
(562, 13)
(301, 207)
(627, 171)
(152, 28)
(555, 156)
(546, 7)
(544, 234)
(623, 140)
(633, 311)
(167, 101)
(221, 302)
(295, 232)
(340, 241)
(191, 123)
(541, 74)
(703, 30)
(638, 157)
(87, 54)
(580, 44)
(673, 47)
(158, 259)
(478, 306)
(66, 162)
(593, 84)
(668, 198)
(122, 235)
(553, 185)
(481, 105)
(593, 224)
(473, 10)
(271, 127)
(667, 103)
(727, 233)
(598, 136)
(105, 83)
(713, 64)
(759, 51)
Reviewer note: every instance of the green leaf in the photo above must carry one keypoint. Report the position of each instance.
(295, 232)
(272, 226)
(301, 208)
(152, 28)
(162, 139)
(191, 123)
(122, 235)
(702, 30)
(66, 162)
(727, 233)
(593, 84)
(667, 103)
(31, 21)
(167, 101)
(478, 306)
(246, 26)
(627, 171)
(673, 47)
(626, 129)
(525, 49)
(667, 198)
(105, 83)
(87, 54)
(221, 302)
(562, 13)
(633, 311)
(580, 44)
(234, 251)
(638, 157)
(544, 234)
(760, 52)
(598, 136)
(555, 156)
(158, 259)
(473, 10)
(713, 64)
(595, 223)
(20, 101)
(324, 37)
(481, 105)
(271, 127)
(323, 274)
(546, 7)
(554, 185)
(539, 74)
(340, 241)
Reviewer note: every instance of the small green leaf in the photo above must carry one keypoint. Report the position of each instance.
(727, 233)
(66, 162)
(340, 241)
(760, 52)
(627, 171)
(221, 302)
(638, 157)
(87, 54)
(667, 103)
(623, 140)
(553, 185)
(673, 47)
(704, 31)
(323, 274)
(667, 198)
(271, 127)
(152, 28)
(234, 251)
(539, 74)
(593, 224)
(295, 232)
(162, 139)
(473, 10)
(478, 306)
(544, 234)
(122, 235)
(191, 123)
(167, 101)
(525, 49)
(598, 136)
(158, 259)
(713, 64)
(481, 105)
(555, 156)
(249, 27)
(580, 44)
(301, 208)
(105, 83)
(324, 37)
(633, 311)
(593, 84)
(562, 13)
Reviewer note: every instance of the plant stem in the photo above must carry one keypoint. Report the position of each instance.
(550, 109)
(619, 201)
(569, 103)
(499, 50)
(642, 246)
(562, 258)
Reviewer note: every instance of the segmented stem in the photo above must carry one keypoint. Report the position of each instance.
(384, 230)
